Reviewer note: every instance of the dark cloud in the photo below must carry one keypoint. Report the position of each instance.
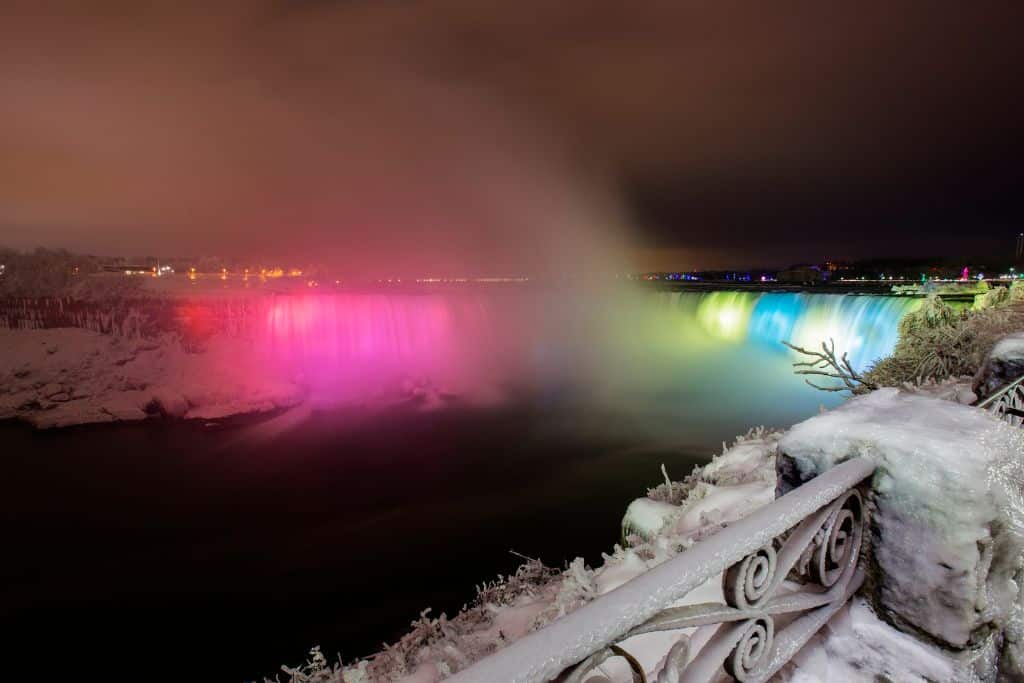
(436, 134)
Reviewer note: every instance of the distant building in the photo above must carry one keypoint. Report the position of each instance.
(837, 266)
(801, 275)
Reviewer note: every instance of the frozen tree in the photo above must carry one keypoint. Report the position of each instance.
(826, 364)
(43, 272)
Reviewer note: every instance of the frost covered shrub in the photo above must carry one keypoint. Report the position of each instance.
(934, 312)
(936, 342)
(105, 287)
(526, 581)
(991, 298)
(316, 670)
(1017, 290)
(577, 589)
(449, 644)
(674, 492)
(42, 272)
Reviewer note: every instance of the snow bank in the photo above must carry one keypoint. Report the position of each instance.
(948, 515)
(857, 646)
(66, 376)
(955, 389)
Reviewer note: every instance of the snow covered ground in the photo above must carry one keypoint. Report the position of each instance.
(67, 376)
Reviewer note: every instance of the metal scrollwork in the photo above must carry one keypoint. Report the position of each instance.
(842, 535)
(598, 658)
(751, 654)
(781, 582)
(748, 582)
(822, 552)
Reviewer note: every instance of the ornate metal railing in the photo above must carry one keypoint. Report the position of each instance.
(1007, 403)
(786, 569)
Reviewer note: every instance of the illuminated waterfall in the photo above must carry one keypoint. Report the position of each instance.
(661, 353)
(356, 346)
(865, 327)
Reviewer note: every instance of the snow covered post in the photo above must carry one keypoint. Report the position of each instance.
(947, 501)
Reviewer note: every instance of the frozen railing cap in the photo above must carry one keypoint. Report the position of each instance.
(825, 518)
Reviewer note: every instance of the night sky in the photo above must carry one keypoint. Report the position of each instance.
(402, 136)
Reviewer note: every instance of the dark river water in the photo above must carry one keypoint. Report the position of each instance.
(178, 551)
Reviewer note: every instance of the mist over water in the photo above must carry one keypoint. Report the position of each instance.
(680, 366)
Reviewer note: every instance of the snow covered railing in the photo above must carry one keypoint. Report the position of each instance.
(1007, 403)
(811, 536)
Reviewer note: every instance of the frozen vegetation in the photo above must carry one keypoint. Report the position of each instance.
(938, 343)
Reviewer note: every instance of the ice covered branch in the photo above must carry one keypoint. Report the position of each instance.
(824, 363)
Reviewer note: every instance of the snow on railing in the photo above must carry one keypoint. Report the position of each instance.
(786, 569)
(1007, 403)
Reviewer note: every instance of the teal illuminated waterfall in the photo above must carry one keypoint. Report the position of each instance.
(693, 363)
(865, 327)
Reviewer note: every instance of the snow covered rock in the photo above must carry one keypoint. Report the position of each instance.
(1004, 364)
(955, 389)
(948, 499)
(66, 376)
(858, 647)
(731, 486)
(646, 518)
(169, 402)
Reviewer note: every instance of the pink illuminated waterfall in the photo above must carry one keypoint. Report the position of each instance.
(359, 345)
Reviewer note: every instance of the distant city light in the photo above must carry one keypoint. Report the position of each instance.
(433, 280)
